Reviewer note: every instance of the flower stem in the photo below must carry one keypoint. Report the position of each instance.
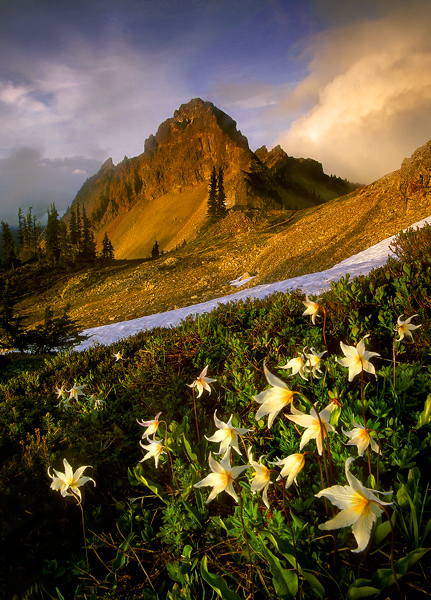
(241, 506)
(196, 416)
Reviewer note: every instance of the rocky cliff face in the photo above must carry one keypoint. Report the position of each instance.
(177, 163)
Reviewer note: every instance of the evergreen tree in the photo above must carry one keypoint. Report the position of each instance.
(107, 252)
(8, 245)
(212, 196)
(88, 245)
(52, 239)
(155, 251)
(66, 253)
(78, 229)
(221, 209)
(73, 235)
(11, 324)
(21, 224)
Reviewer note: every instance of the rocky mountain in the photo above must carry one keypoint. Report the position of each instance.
(162, 194)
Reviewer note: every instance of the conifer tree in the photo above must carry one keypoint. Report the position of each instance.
(221, 209)
(155, 253)
(52, 239)
(8, 245)
(212, 196)
(107, 252)
(73, 236)
(10, 324)
(88, 245)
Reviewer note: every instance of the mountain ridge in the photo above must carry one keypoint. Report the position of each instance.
(176, 165)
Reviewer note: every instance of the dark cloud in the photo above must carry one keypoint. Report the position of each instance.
(27, 179)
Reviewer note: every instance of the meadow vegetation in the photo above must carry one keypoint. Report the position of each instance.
(140, 414)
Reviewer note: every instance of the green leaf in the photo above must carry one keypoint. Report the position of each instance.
(217, 582)
(425, 416)
(154, 487)
(121, 558)
(192, 455)
(384, 529)
(318, 588)
(285, 582)
(361, 592)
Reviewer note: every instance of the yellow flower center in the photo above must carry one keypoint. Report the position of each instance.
(361, 504)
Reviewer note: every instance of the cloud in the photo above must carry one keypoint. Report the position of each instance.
(367, 97)
(27, 179)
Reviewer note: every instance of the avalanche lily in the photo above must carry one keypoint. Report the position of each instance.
(359, 508)
(118, 356)
(312, 363)
(297, 366)
(357, 359)
(227, 435)
(315, 428)
(202, 382)
(221, 478)
(312, 308)
(261, 479)
(405, 328)
(292, 465)
(361, 438)
(273, 400)
(76, 391)
(151, 426)
(154, 449)
(69, 480)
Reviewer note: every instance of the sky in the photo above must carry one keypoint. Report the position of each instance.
(313, 285)
(347, 83)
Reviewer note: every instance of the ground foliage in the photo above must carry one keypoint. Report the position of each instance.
(149, 532)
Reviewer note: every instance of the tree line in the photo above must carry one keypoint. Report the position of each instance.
(57, 244)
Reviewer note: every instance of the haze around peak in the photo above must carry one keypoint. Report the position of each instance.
(345, 83)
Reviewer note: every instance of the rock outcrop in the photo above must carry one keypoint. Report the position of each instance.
(176, 165)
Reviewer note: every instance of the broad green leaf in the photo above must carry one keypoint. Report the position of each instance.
(217, 582)
(318, 588)
(285, 582)
(154, 487)
(194, 512)
(361, 592)
(121, 558)
(192, 455)
(384, 529)
(425, 416)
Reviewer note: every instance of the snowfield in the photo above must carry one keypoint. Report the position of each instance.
(358, 264)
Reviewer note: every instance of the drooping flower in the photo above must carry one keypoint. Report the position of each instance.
(315, 428)
(297, 365)
(97, 402)
(60, 391)
(227, 435)
(357, 359)
(261, 478)
(154, 449)
(313, 308)
(312, 362)
(69, 480)
(151, 426)
(292, 465)
(76, 391)
(273, 400)
(404, 328)
(359, 508)
(202, 382)
(118, 356)
(222, 477)
(361, 438)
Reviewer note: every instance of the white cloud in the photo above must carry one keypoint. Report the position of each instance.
(368, 96)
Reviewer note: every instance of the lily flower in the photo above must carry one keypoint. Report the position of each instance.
(227, 435)
(222, 477)
(118, 356)
(274, 399)
(151, 426)
(154, 449)
(361, 438)
(313, 308)
(292, 465)
(312, 363)
(60, 391)
(297, 366)
(359, 508)
(69, 480)
(316, 428)
(261, 479)
(202, 382)
(76, 391)
(357, 359)
(405, 328)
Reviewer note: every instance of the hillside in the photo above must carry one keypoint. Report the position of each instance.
(162, 194)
